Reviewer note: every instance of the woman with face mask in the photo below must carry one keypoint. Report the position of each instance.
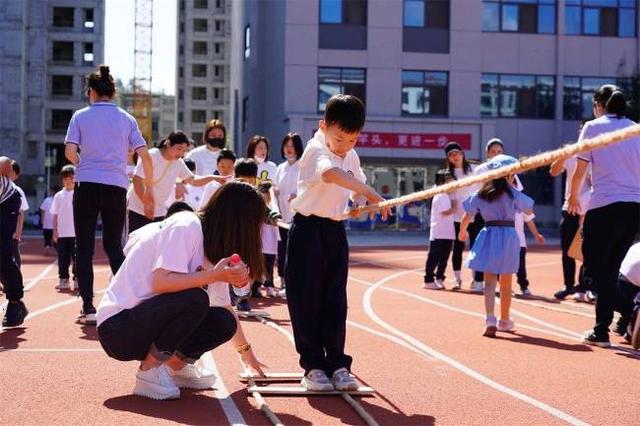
(258, 149)
(206, 155)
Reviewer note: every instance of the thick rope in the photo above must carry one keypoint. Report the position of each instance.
(534, 162)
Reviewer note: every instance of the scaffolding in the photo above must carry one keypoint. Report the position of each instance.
(142, 100)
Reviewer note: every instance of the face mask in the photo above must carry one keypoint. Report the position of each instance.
(291, 157)
(216, 142)
(259, 160)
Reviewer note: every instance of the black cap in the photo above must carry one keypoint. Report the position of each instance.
(452, 146)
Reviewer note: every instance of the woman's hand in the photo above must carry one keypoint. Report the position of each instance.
(462, 235)
(574, 207)
(539, 238)
(249, 360)
(236, 275)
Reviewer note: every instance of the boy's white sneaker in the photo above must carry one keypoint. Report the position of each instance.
(440, 284)
(343, 381)
(431, 286)
(580, 297)
(63, 284)
(477, 286)
(317, 381)
(505, 325)
(282, 293)
(490, 327)
(156, 383)
(457, 284)
(591, 296)
(193, 376)
(271, 292)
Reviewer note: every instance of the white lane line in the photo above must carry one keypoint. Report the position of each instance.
(57, 305)
(222, 394)
(51, 350)
(33, 281)
(459, 366)
(50, 277)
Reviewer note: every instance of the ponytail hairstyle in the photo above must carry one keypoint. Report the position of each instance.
(101, 82)
(612, 99)
(174, 138)
(493, 189)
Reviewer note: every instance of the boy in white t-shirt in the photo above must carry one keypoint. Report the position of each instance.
(64, 233)
(46, 219)
(441, 234)
(270, 237)
(225, 167)
(520, 220)
(317, 262)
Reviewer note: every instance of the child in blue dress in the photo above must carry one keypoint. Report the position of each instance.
(496, 251)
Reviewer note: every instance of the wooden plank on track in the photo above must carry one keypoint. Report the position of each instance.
(272, 377)
(300, 391)
(253, 314)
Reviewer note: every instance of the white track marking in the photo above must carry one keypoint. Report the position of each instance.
(33, 281)
(57, 305)
(51, 350)
(50, 277)
(222, 394)
(459, 366)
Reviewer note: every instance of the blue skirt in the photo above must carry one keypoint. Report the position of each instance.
(496, 251)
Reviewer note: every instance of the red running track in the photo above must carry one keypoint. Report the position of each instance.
(421, 350)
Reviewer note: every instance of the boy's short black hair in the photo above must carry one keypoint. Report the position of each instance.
(226, 154)
(178, 206)
(346, 112)
(16, 167)
(442, 175)
(264, 187)
(191, 165)
(246, 167)
(67, 171)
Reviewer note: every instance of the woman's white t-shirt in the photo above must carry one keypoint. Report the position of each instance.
(165, 174)
(442, 227)
(287, 183)
(175, 244)
(463, 193)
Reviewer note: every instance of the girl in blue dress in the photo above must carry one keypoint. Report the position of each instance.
(496, 250)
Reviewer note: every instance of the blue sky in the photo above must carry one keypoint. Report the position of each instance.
(119, 41)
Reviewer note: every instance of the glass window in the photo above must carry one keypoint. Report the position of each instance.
(333, 81)
(60, 119)
(62, 51)
(491, 16)
(63, 17)
(572, 20)
(425, 93)
(437, 13)
(627, 23)
(348, 12)
(592, 21)
(609, 18)
(200, 25)
(578, 94)
(199, 93)
(525, 96)
(509, 17)
(523, 16)
(489, 95)
(247, 42)
(87, 58)
(199, 70)
(199, 47)
(547, 19)
(414, 13)
(330, 11)
(62, 85)
(88, 19)
(200, 4)
(198, 116)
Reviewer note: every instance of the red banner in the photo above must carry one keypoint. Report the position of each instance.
(412, 140)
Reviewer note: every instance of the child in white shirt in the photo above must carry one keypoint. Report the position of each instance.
(64, 234)
(270, 237)
(520, 220)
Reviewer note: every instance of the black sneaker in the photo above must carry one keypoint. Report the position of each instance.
(627, 337)
(562, 294)
(591, 338)
(15, 315)
(635, 333)
(621, 326)
(243, 305)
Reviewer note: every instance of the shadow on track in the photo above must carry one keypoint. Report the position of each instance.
(539, 341)
(10, 338)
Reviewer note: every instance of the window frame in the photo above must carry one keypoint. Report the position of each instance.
(341, 83)
(499, 98)
(622, 82)
(519, 3)
(53, 17)
(247, 41)
(342, 17)
(424, 86)
(583, 8)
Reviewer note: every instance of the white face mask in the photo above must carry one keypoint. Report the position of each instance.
(259, 160)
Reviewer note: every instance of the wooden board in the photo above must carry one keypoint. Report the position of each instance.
(300, 391)
(272, 377)
(253, 314)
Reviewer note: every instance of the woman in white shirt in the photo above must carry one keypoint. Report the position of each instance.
(258, 149)
(156, 309)
(613, 213)
(287, 189)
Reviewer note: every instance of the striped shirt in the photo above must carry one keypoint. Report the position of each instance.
(7, 188)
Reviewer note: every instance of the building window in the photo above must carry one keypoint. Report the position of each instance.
(218, 26)
(517, 96)
(216, 70)
(245, 113)
(180, 94)
(180, 117)
(181, 50)
(198, 116)
(88, 54)
(426, 13)
(62, 85)
(200, 25)
(200, 4)
(425, 93)
(247, 42)
(578, 94)
(182, 27)
(199, 70)
(346, 12)
(60, 118)
(216, 47)
(180, 71)
(62, 51)
(89, 23)
(219, 4)
(520, 16)
(333, 81)
(199, 93)
(63, 17)
(199, 47)
(609, 18)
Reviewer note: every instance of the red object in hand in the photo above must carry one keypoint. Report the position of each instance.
(235, 259)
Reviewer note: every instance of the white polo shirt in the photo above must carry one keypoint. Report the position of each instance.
(441, 227)
(630, 266)
(287, 183)
(62, 206)
(316, 197)
(206, 160)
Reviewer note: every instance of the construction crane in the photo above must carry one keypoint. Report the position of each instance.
(143, 50)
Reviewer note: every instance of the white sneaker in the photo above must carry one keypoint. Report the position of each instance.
(63, 284)
(457, 284)
(505, 325)
(431, 286)
(282, 293)
(591, 296)
(193, 376)
(271, 292)
(86, 319)
(440, 284)
(580, 297)
(490, 327)
(477, 286)
(317, 381)
(156, 383)
(343, 381)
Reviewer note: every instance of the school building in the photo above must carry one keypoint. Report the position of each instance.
(431, 71)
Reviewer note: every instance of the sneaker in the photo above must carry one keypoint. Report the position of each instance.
(63, 284)
(457, 284)
(440, 284)
(627, 337)
(243, 305)
(431, 286)
(271, 292)
(76, 286)
(635, 334)
(591, 296)
(562, 294)
(580, 297)
(343, 381)
(15, 314)
(282, 293)
(525, 292)
(193, 376)
(490, 327)
(505, 325)
(621, 327)
(156, 383)
(317, 381)
(477, 286)
(86, 317)
(591, 338)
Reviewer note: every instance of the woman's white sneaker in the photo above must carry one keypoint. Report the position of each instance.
(156, 383)
(343, 381)
(317, 381)
(431, 286)
(505, 325)
(490, 327)
(193, 376)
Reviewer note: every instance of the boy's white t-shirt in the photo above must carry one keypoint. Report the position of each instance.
(205, 159)
(270, 237)
(316, 197)
(24, 204)
(520, 220)
(287, 183)
(630, 266)
(208, 191)
(193, 196)
(62, 205)
(175, 244)
(47, 217)
(165, 174)
(442, 227)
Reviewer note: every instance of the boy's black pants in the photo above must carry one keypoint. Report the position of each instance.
(66, 255)
(569, 226)
(522, 269)
(10, 265)
(437, 258)
(316, 272)
(282, 251)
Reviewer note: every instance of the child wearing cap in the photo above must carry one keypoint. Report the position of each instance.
(496, 250)
(317, 262)
(441, 235)
(64, 232)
